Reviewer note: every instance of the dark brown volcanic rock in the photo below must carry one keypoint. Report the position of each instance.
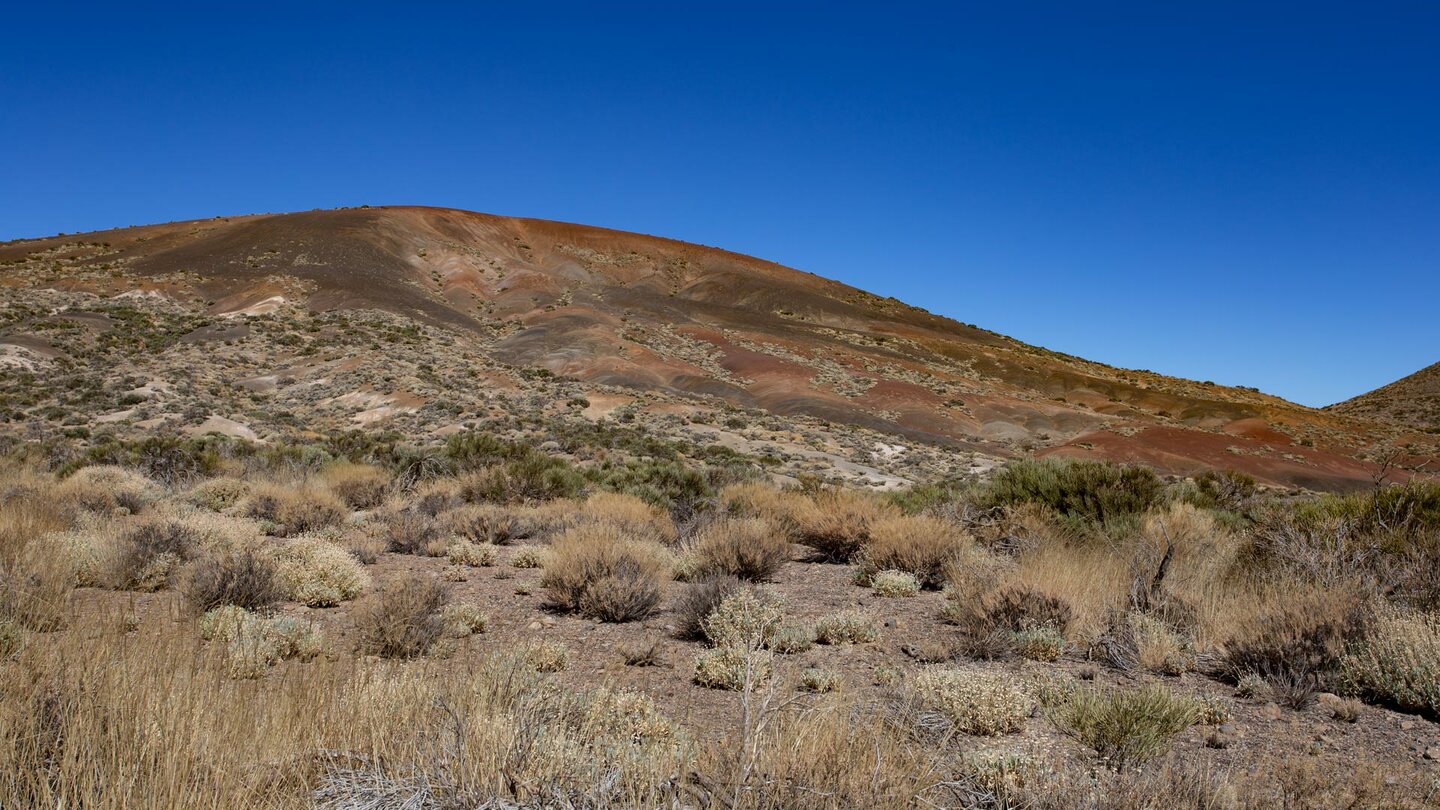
(613, 308)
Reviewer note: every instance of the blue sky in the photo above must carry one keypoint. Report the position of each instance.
(1241, 192)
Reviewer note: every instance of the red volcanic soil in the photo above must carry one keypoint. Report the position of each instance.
(609, 307)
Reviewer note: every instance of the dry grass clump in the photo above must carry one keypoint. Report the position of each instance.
(1159, 647)
(366, 547)
(602, 572)
(895, 584)
(821, 681)
(748, 548)
(462, 619)
(1397, 661)
(790, 639)
(547, 656)
(695, 604)
(411, 531)
(315, 572)
(149, 553)
(1039, 643)
(294, 510)
(530, 557)
(219, 494)
(464, 552)
(358, 486)
(247, 580)
(104, 720)
(993, 626)
(403, 619)
(974, 700)
(733, 668)
(254, 643)
(837, 523)
(1297, 643)
(627, 513)
(922, 546)
(485, 523)
(109, 490)
(1126, 726)
(846, 627)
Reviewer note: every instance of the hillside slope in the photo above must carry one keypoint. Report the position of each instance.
(1413, 401)
(421, 319)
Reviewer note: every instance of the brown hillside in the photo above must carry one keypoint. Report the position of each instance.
(620, 314)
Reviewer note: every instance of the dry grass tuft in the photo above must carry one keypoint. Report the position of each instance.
(922, 546)
(837, 523)
(294, 510)
(358, 486)
(247, 580)
(748, 548)
(602, 572)
(403, 619)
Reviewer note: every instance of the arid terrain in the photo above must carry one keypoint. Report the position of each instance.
(422, 508)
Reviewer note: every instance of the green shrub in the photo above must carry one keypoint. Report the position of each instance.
(1085, 493)
(1126, 726)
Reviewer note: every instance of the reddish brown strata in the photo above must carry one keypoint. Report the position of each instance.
(611, 307)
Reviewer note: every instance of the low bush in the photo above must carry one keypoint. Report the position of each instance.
(1397, 662)
(463, 619)
(1127, 727)
(603, 573)
(921, 546)
(294, 510)
(219, 494)
(1085, 493)
(748, 548)
(821, 681)
(411, 531)
(975, 701)
(109, 489)
(1297, 645)
(464, 552)
(526, 480)
(245, 580)
(530, 557)
(485, 523)
(837, 523)
(846, 627)
(695, 604)
(790, 639)
(403, 619)
(547, 656)
(358, 486)
(895, 584)
(733, 668)
(149, 553)
(747, 618)
(254, 644)
(318, 573)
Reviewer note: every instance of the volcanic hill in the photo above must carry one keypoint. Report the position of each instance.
(426, 320)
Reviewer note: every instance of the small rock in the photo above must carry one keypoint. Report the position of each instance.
(1228, 728)
(1407, 725)
(1270, 711)
(1432, 753)
(535, 626)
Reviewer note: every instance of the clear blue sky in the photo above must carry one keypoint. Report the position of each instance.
(1240, 192)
